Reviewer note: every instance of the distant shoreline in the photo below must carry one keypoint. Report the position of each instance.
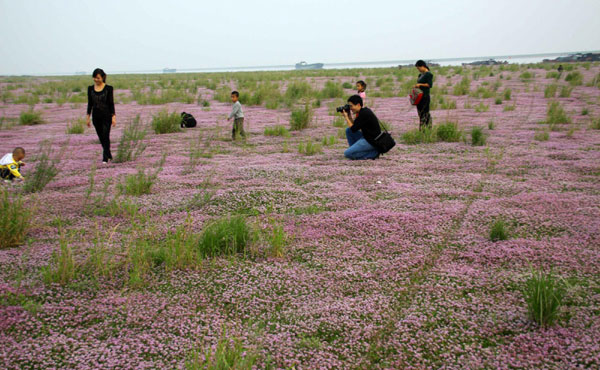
(512, 59)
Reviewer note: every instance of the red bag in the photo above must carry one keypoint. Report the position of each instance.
(415, 96)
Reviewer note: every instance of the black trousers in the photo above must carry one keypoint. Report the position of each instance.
(6, 174)
(423, 110)
(102, 125)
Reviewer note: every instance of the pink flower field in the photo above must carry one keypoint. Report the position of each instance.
(384, 264)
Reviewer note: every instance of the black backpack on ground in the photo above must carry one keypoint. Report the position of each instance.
(187, 120)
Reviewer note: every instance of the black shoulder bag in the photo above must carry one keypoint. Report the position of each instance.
(384, 141)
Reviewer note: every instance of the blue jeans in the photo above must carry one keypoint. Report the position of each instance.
(359, 147)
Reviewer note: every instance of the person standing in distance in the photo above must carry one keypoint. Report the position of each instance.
(101, 108)
(425, 83)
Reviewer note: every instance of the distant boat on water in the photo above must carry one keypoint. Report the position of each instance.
(169, 70)
(304, 65)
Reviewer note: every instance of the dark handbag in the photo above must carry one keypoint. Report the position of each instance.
(384, 141)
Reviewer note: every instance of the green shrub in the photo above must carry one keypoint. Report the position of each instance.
(463, 87)
(45, 169)
(15, 219)
(164, 122)
(131, 144)
(178, 250)
(449, 132)
(30, 118)
(309, 148)
(62, 268)
(300, 118)
(448, 104)
(491, 125)
(553, 74)
(565, 91)
(141, 182)
(498, 101)
(329, 140)
(507, 94)
(550, 91)
(595, 125)
(76, 126)
(339, 122)
(227, 236)
(347, 85)
(498, 231)
(556, 114)
(482, 108)
(574, 78)
(585, 112)
(542, 135)
(544, 296)
(416, 136)
(277, 131)
(331, 90)
(477, 136)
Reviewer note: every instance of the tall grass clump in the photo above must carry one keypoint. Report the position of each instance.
(507, 94)
(76, 126)
(178, 250)
(463, 87)
(15, 219)
(229, 354)
(542, 135)
(544, 295)
(30, 118)
(449, 132)
(165, 122)
(550, 91)
(565, 91)
(309, 148)
(62, 268)
(595, 125)
(300, 118)
(498, 231)
(131, 144)
(418, 136)
(331, 90)
(225, 237)
(574, 78)
(142, 181)
(277, 130)
(45, 169)
(478, 138)
(556, 114)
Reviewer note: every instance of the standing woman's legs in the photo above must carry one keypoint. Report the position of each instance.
(423, 110)
(102, 126)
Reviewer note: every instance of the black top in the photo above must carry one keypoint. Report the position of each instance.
(425, 78)
(101, 102)
(368, 123)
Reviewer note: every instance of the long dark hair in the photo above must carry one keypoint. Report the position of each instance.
(99, 71)
(421, 63)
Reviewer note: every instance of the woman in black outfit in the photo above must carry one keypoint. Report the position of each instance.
(425, 83)
(101, 107)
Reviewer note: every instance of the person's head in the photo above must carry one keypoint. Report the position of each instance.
(235, 96)
(18, 153)
(361, 86)
(421, 66)
(355, 103)
(99, 76)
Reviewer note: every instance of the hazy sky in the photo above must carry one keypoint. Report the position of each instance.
(64, 36)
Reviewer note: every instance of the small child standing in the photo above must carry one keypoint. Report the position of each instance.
(238, 116)
(361, 86)
(10, 164)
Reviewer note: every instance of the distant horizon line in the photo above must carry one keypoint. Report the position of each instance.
(286, 66)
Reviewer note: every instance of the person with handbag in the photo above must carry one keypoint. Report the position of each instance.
(362, 131)
(425, 83)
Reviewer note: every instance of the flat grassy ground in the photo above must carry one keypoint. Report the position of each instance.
(384, 264)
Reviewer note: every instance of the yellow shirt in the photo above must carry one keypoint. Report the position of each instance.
(8, 162)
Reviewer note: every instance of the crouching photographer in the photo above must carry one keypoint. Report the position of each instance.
(365, 138)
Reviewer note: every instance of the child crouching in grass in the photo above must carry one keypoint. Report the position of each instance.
(10, 165)
(238, 117)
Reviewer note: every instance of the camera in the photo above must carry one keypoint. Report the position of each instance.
(344, 108)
